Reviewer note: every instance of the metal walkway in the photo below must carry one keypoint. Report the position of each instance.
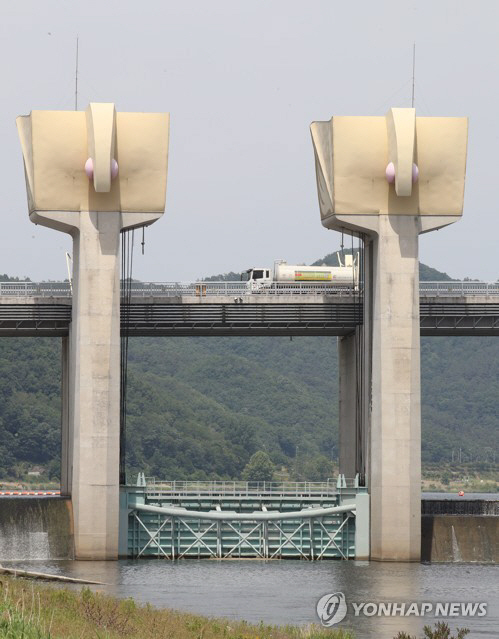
(222, 520)
(226, 308)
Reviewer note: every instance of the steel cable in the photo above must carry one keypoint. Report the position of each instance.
(127, 241)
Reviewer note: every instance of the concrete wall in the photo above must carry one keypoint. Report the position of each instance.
(460, 538)
(36, 528)
(42, 528)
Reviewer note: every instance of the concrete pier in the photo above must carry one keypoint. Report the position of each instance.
(391, 420)
(78, 183)
(395, 441)
(392, 178)
(95, 384)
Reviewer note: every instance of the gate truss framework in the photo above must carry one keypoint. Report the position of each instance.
(175, 537)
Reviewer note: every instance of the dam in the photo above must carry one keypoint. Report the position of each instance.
(313, 521)
(385, 205)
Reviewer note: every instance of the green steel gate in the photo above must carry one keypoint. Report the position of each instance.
(250, 525)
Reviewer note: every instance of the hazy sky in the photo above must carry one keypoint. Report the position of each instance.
(242, 81)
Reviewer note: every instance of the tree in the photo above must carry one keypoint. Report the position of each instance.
(445, 478)
(319, 468)
(259, 467)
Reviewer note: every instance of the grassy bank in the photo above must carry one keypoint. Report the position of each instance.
(469, 477)
(29, 610)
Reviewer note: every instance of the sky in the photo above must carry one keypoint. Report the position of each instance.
(242, 81)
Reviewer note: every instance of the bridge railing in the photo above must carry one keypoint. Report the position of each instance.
(35, 289)
(239, 289)
(458, 289)
(245, 489)
(178, 289)
(206, 289)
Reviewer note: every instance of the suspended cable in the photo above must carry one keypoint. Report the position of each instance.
(127, 242)
(358, 393)
(365, 392)
(353, 265)
(359, 363)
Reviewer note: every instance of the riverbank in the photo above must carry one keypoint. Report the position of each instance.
(38, 611)
(287, 592)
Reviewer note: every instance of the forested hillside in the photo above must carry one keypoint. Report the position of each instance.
(199, 407)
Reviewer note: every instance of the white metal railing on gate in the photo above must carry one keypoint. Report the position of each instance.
(246, 489)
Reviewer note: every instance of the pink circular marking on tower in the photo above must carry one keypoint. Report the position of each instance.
(390, 173)
(89, 168)
(415, 173)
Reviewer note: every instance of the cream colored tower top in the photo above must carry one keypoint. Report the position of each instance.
(352, 154)
(57, 144)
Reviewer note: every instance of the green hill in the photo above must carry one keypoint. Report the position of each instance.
(200, 407)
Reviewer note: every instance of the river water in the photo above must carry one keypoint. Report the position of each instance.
(466, 496)
(286, 592)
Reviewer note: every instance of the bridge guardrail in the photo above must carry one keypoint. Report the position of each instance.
(458, 289)
(239, 289)
(207, 289)
(35, 289)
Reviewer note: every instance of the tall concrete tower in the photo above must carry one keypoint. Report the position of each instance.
(92, 174)
(390, 179)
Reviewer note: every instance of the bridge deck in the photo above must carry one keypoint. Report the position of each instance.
(459, 308)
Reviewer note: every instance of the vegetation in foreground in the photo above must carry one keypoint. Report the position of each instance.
(440, 631)
(31, 611)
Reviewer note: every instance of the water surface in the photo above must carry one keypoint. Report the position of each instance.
(282, 592)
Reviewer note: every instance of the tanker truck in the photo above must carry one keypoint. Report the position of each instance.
(286, 276)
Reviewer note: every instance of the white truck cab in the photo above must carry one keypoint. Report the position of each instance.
(259, 278)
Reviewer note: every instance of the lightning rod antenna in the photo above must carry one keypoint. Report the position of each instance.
(413, 71)
(76, 76)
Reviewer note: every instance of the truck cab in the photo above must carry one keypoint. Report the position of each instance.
(258, 278)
